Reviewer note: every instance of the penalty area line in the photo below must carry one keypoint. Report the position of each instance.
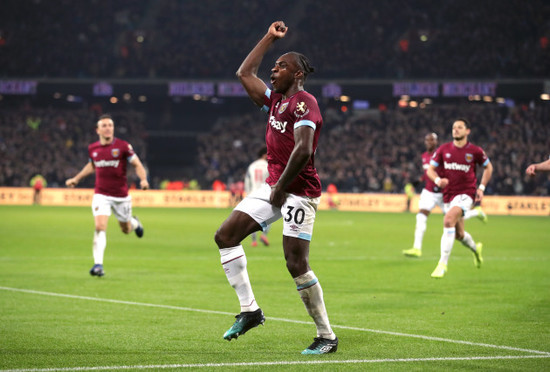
(391, 333)
(278, 363)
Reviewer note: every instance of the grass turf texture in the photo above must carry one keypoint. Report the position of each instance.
(165, 300)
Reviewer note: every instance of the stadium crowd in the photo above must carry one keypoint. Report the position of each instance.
(366, 151)
(208, 39)
(379, 150)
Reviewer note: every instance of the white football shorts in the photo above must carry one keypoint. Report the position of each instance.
(298, 212)
(428, 200)
(103, 204)
(462, 200)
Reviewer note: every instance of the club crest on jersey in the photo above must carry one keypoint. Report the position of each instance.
(115, 153)
(283, 108)
(94, 154)
(447, 155)
(469, 158)
(301, 109)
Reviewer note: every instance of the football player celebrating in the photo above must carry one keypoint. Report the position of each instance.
(292, 190)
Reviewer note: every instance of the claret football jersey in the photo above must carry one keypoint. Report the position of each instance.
(110, 163)
(285, 115)
(458, 165)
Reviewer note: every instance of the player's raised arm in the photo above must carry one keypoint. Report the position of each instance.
(247, 72)
(86, 171)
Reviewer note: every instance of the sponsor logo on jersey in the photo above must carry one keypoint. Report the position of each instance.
(283, 108)
(277, 125)
(469, 158)
(458, 167)
(106, 163)
(115, 153)
(301, 109)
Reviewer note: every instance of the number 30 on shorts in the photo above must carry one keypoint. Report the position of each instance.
(298, 216)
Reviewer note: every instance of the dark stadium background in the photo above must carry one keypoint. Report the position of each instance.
(170, 66)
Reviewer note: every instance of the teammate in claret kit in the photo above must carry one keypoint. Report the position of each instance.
(453, 169)
(109, 158)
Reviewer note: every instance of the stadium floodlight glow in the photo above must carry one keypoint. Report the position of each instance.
(140, 39)
(127, 97)
(57, 95)
(413, 104)
(500, 100)
(142, 99)
(197, 97)
(344, 98)
(427, 101)
(113, 100)
(405, 97)
(545, 97)
(487, 99)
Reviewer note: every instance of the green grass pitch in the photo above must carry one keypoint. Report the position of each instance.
(165, 303)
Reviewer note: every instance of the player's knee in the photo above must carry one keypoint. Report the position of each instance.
(449, 221)
(223, 239)
(296, 266)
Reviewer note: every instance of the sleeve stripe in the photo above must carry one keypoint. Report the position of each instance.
(486, 162)
(434, 163)
(267, 94)
(309, 123)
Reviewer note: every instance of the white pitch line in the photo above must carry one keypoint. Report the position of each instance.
(429, 338)
(278, 363)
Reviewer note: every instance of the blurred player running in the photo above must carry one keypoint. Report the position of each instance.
(453, 169)
(109, 158)
(430, 197)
